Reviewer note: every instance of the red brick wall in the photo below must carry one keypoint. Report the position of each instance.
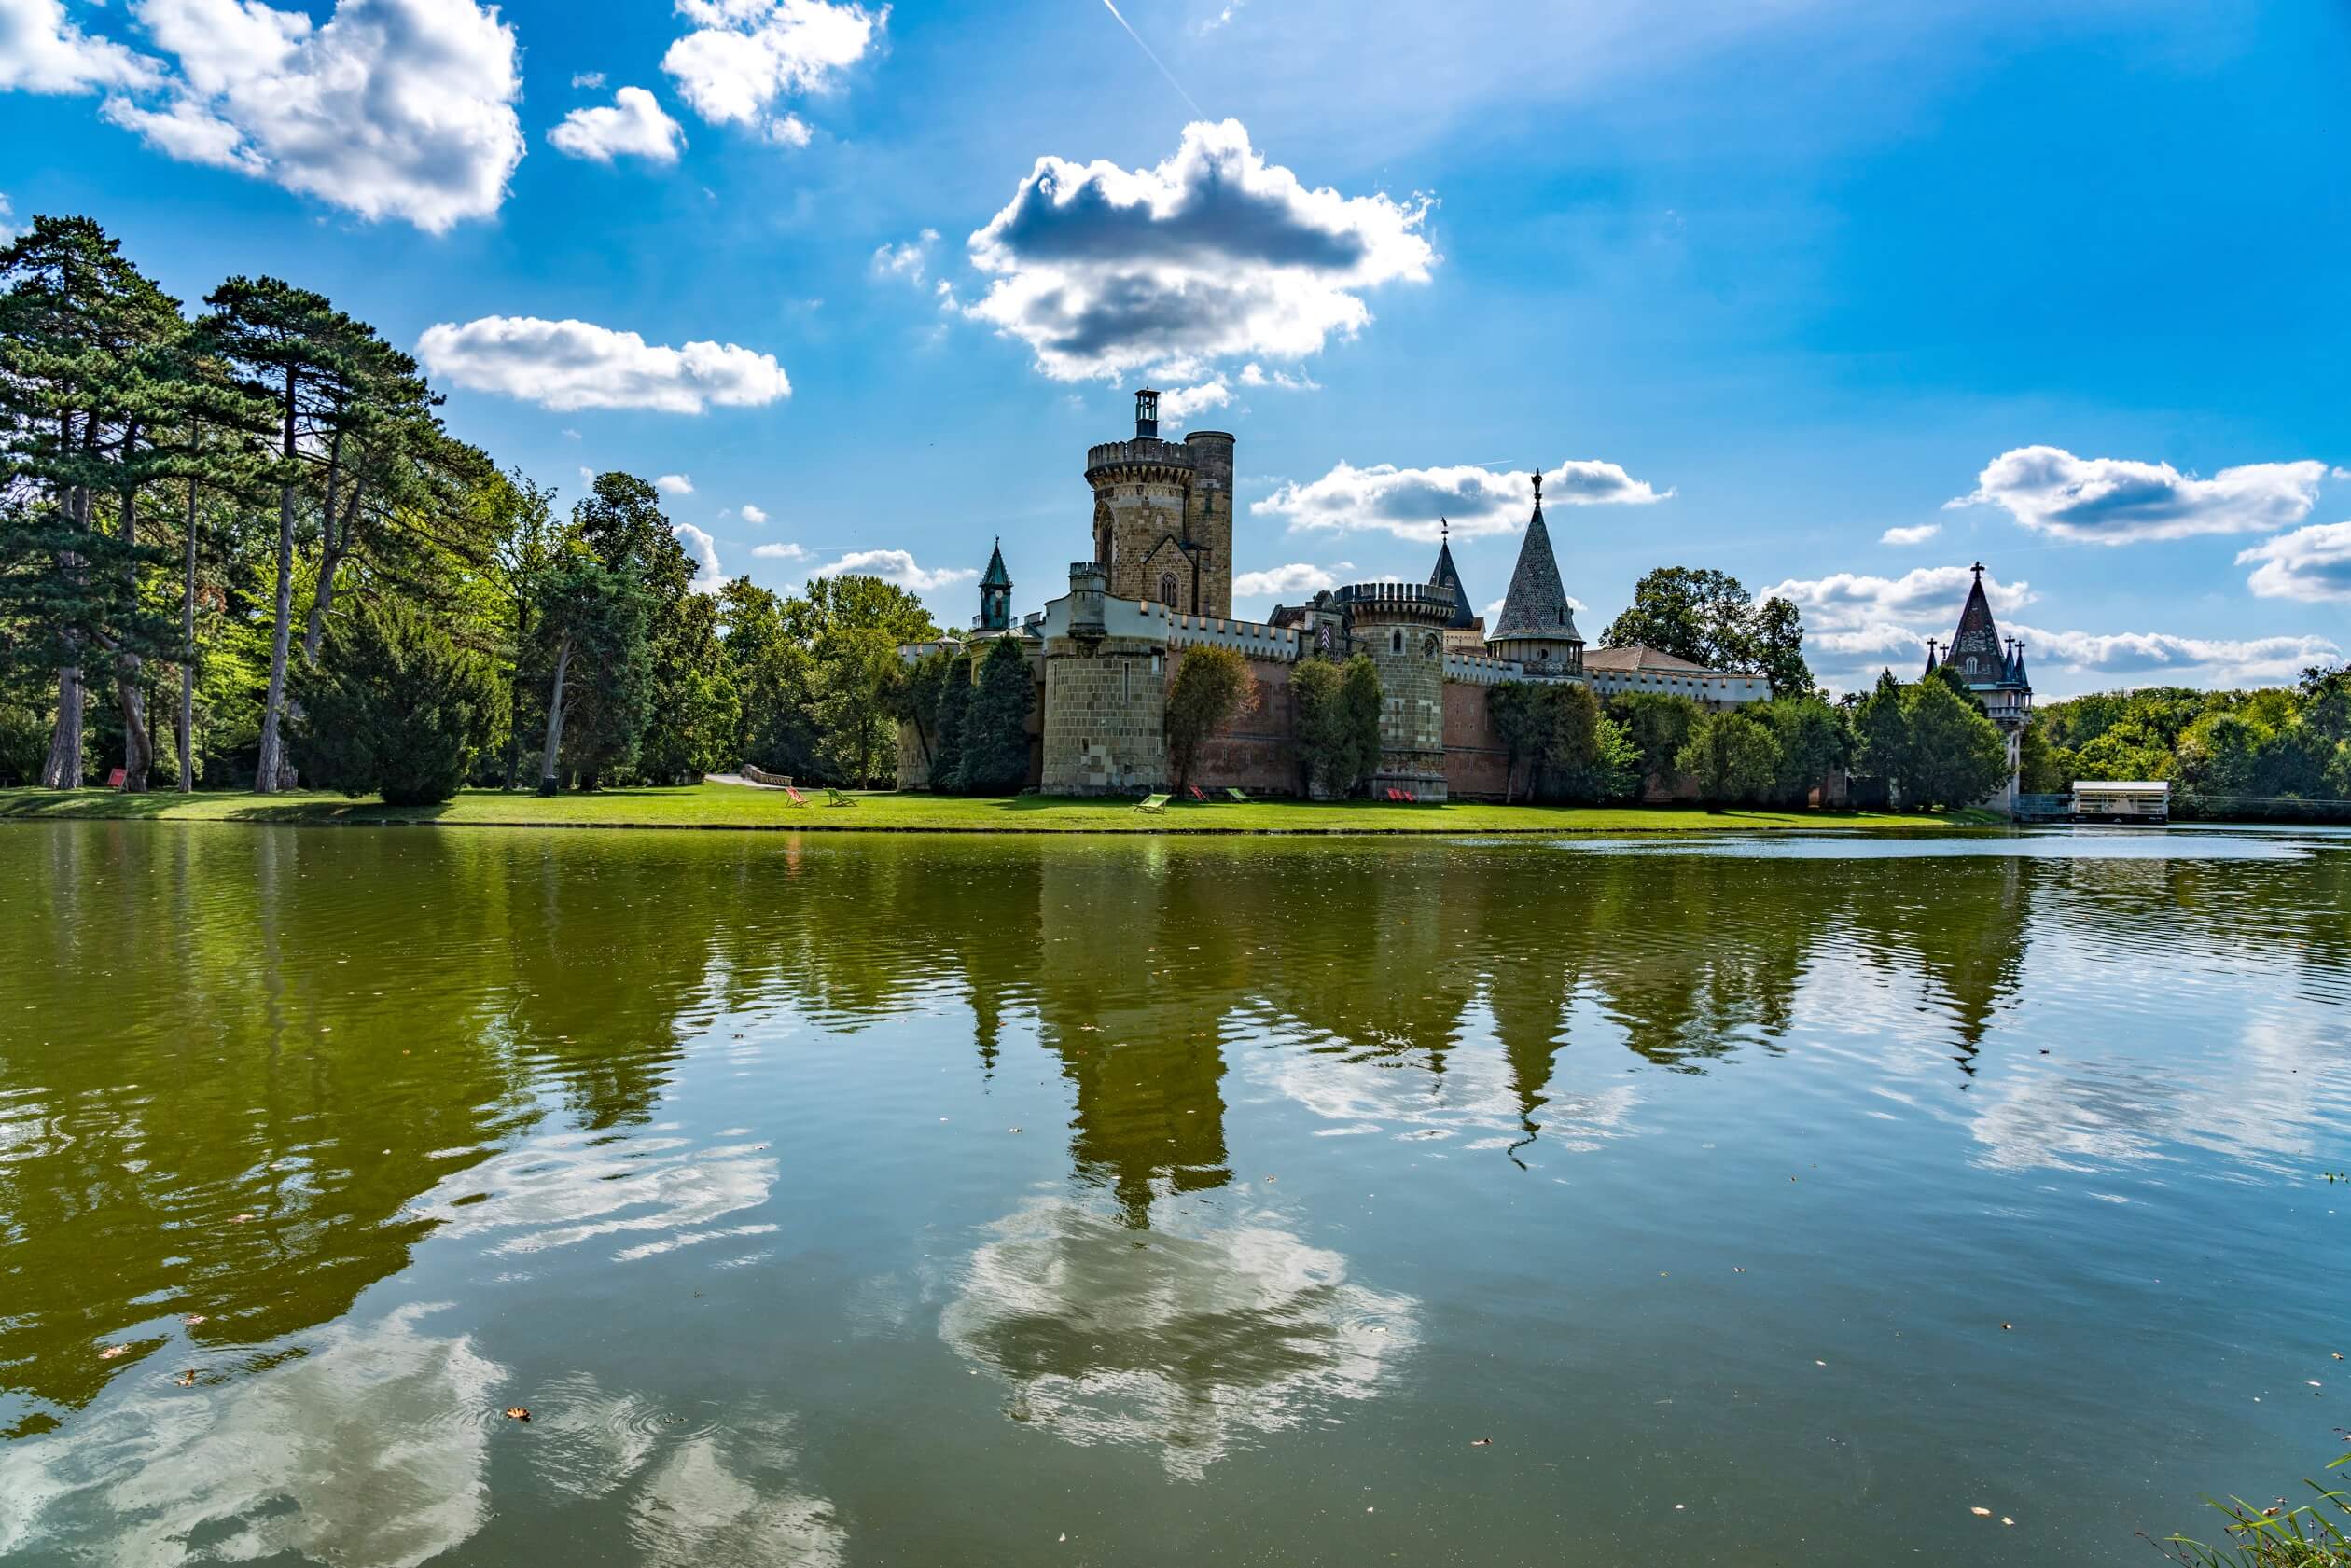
(1256, 751)
(1474, 756)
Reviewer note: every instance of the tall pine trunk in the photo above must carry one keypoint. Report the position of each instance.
(188, 652)
(138, 746)
(266, 775)
(548, 783)
(64, 768)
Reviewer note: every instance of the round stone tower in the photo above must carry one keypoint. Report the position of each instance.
(1162, 517)
(1402, 626)
(1106, 699)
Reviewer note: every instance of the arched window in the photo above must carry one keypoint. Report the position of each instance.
(1971, 664)
(1167, 588)
(1396, 641)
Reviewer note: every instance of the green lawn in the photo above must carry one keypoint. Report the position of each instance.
(722, 806)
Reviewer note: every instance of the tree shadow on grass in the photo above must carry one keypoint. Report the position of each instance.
(108, 805)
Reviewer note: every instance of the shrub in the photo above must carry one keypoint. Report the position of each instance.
(1734, 758)
(1338, 738)
(1212, 685)
(394, 707)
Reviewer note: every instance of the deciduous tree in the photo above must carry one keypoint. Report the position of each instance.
(1211, 685)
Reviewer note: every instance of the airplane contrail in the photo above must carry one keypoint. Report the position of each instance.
(1153, 57)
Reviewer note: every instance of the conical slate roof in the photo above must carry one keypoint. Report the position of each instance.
(998, 576)
(1977, 650)
(1446, 576)
(1536, 604)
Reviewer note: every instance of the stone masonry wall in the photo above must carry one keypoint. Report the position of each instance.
(1413, 694)
(1106, 709)
(1141, 513)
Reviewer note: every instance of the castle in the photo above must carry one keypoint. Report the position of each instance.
(1991, 668)
(1160, 581)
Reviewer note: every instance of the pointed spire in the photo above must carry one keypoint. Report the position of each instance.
(1930, 658)
(1536, 603)
(997, 575)
(1448, 575)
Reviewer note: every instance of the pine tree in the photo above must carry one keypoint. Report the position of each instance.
(84, 344)
(995, 743)
(954, 702)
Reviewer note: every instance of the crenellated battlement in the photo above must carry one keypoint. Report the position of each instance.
(1143, 457)
(1478, 669)
(1420, 602)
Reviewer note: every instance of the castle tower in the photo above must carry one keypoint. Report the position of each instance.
(1402, 626)
(1106, 694)
(1162, 518)
(1991, 668)
(996, 594)
(1537, 626)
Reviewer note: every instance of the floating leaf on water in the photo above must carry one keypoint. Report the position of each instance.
(2007, 1325)
(113, 1351)
(516, 1412)
(187, 1380)
(241, 1219)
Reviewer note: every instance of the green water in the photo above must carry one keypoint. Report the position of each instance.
(912, 1201)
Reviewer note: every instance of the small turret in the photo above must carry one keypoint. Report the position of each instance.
(1930, 660)
(1146, 414)
(996, 594)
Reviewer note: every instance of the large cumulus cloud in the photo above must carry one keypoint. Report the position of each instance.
(744, 56)
(2112, 501)
(1213, 254)
(390, 108)
(1408, 503)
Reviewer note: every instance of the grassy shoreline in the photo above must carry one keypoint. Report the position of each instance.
(725, 808)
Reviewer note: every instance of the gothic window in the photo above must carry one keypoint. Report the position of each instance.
(1396, 641)
(1429, 646)
(1972, 665)
(1167, 588)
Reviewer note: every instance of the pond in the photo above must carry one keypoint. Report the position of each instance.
(895, 1200)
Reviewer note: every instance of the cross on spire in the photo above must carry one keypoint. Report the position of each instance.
(1978, 570)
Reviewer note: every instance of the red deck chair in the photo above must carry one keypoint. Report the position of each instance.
(114, 780)
(1197, 796)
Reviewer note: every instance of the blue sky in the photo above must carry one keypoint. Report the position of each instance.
(1763, 286)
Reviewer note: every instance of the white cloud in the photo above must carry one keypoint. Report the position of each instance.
(897, 566)
(2312, 563)
(779, 553)
(909, 260)
(1298, 579)
(1915, 535)
(589, 80)
(579, 365)
(674, 484)
(634, 126)
(1409, 502)
(1179, 404)
(41, 51)
(744, 54)
(2163, 658)
(1102, 270)
(708, 576)
(1223, 16)
(391, 108)
(8, 228)
(753, 515)
(2111, 501)
(1855, 625)
(1253, 374)
(1850, 600)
